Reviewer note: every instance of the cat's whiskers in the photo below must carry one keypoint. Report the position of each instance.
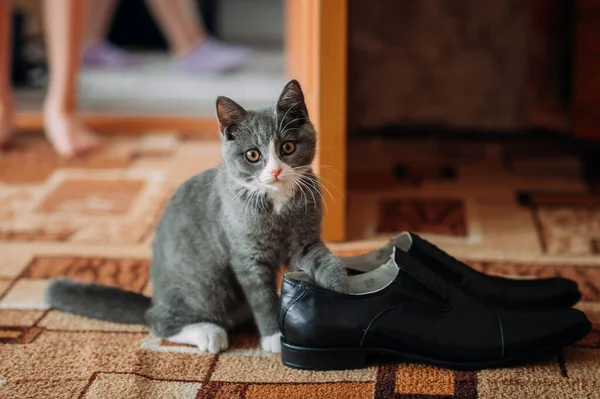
(220, 191)
(303, 173)
(244, 200)
(292, 121)
(261, 195)
(263, 203)
(250, 186)
(249, 202)
(332, 186)
(310, 188)
(319, 178)
(260, 198)
(232, 202)
(246, 204)
(239, 193)
(284, 115)
(321, 185)
(330, 169)
(294, 179)
(302, 168)
(304, 196)
(219, 194)
(222, 172)
(311, 181)
(288, 130)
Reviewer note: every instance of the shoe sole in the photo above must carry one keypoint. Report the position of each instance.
(303, 358)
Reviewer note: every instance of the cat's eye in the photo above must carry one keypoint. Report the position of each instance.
(253, 155)
(288, 147)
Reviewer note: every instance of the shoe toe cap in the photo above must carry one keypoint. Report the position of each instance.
(537, 331)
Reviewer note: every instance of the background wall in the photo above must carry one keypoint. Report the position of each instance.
(459, 62)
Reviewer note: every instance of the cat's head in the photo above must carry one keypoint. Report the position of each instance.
(267, 150)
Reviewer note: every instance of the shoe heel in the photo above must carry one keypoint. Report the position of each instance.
(300, 357)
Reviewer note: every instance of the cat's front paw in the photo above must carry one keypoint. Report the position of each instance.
(208, 337)
(212, 339)
(340, 285)
(271, 343)
(335, 279)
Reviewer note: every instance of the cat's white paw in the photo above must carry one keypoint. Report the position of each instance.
(208, 337)
(271, 343)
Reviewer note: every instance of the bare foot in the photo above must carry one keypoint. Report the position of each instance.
(6, 122)
(67, 134)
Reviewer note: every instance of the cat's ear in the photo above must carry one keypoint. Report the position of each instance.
(291, 103)
(229, 113)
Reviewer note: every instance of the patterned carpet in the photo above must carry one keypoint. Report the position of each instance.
(516, 208)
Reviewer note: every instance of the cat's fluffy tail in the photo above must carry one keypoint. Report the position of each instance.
(97, 301)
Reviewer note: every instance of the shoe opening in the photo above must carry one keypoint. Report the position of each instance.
(371, 260)
(365, 283)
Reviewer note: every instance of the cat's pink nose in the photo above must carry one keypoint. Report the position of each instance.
(276, 173)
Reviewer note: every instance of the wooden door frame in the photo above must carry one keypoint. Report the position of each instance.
(316, 55)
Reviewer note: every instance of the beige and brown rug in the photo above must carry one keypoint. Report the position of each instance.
(505, 208)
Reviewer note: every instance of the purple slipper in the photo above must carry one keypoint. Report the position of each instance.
(214, 56)
(108, 56)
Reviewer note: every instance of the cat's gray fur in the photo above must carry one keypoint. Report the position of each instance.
(219, 244)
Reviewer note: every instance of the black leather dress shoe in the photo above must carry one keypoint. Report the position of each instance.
(501, 291)
(408, 311)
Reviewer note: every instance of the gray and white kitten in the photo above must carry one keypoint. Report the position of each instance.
(225, 233)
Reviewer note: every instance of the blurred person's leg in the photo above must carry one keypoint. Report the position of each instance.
(64, 21)
(180, 23)
(6, 105)
(99, 52)
(194, 49)
(99, 17)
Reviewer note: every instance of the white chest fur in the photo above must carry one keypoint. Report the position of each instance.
(280, 198)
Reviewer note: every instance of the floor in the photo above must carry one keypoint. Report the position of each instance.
(156, 88)
(517, 207)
